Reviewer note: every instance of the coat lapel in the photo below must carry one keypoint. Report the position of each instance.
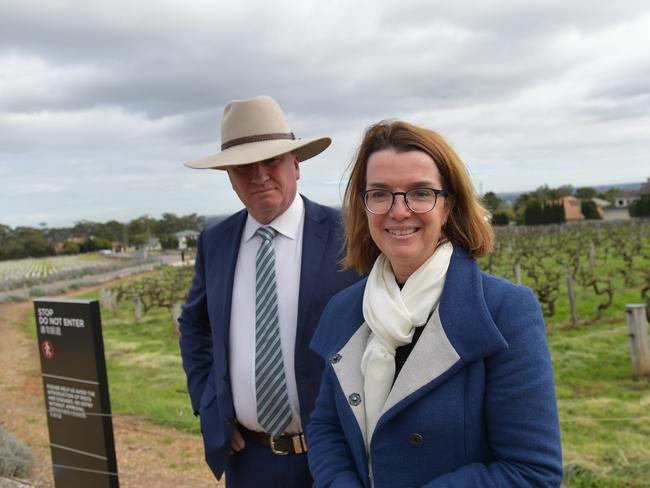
(434, 350)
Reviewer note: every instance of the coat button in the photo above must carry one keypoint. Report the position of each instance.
(416, 440)
(355, 399)
(335, 359)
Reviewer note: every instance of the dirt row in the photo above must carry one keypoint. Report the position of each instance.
(147, 455)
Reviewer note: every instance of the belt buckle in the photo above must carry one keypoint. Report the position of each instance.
(274, 450)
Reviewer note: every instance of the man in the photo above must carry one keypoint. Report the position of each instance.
(262, 279)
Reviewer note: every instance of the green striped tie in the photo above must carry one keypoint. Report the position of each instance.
(273, 411)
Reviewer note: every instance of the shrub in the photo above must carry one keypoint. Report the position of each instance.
(589, 210)
(168, 241)
(37, 292)
(640, 207)
(16, 458)
(71, 247)
(501, 217)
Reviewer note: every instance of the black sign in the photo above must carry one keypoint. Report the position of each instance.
(76, 393)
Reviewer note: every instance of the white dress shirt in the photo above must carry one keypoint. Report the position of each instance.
(288, 254)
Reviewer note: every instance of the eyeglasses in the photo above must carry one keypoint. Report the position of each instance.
(418, 200)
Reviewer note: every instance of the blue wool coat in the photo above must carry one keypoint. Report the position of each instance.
(473, 406)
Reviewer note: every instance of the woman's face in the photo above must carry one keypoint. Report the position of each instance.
(406, 238)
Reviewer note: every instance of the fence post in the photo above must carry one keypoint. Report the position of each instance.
(137, 308)
(176, 313)
(592, 256)
(114, 305)
(637, 326)
(103, 298)
(518, 272)
(572, 297)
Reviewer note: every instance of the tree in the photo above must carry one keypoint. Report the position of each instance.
(547, 212)
(610, 195)
(168, 241)
(501, 217)
(589, 210)
(533, 213)
(85, 228)
(492, 202)
(545, 193)
(586, 193)
(32, 242)
(5, 233)
(111, 230)
(139, 230)
(170, 223)
(95, 244)
(640, 207)
(71, 247)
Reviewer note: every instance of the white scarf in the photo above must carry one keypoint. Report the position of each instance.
(392, 314)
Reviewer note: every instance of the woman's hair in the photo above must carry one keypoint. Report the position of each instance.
(467, 225)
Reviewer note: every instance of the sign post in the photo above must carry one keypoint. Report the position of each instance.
(76, 393)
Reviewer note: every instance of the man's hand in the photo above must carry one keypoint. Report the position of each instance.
(237, 442)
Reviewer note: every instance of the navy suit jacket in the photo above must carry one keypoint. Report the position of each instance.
(205, 320)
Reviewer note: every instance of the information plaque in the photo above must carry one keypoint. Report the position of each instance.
(76, 393)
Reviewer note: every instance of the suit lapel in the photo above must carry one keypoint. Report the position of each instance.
(224, 274)
(314, 240)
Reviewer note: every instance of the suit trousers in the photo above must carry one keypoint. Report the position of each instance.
(255, 466)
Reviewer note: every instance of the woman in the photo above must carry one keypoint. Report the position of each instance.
(439, 375)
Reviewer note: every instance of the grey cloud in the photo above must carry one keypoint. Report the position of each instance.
(114, 92)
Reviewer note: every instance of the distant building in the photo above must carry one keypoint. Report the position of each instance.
(614, 213)
(572, 208)
(625, 198)
(59, 247)
(153, 244)
(185, 235)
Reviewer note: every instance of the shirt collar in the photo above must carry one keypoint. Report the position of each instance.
(287, 223)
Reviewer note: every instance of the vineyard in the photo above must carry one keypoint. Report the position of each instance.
(580, 273)
(22, 273)
(165, 288)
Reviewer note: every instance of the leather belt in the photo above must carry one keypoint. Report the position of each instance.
(282, 445)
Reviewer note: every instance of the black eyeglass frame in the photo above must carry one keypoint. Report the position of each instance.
(436, 192)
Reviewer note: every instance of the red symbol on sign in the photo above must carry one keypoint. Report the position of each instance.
(48, 349)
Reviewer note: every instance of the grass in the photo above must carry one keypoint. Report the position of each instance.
(145, 358)
(604, 413)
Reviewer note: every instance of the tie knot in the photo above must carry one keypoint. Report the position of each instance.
(266, 233)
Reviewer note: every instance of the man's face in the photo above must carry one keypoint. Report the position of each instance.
(266, 188)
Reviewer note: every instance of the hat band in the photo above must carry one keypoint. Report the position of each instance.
(257, 138)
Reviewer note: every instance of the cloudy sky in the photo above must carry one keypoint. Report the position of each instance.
(101, 102)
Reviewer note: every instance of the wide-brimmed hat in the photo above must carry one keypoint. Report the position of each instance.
(254, 130)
